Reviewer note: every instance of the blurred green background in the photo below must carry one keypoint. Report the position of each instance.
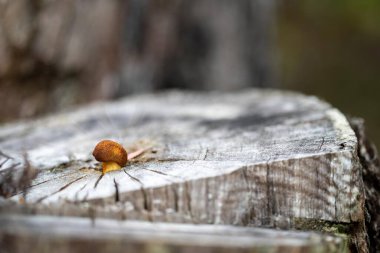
(331, 49)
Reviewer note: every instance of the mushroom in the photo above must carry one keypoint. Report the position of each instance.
(113, 155)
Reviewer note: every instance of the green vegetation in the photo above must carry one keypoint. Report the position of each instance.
(332, 49)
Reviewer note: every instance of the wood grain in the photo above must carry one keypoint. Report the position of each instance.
(46, 234)
(257, 157)
(223, 159)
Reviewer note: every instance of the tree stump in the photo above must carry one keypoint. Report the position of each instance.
(268, 159)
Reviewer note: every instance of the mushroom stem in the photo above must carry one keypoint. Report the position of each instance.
(110, 166)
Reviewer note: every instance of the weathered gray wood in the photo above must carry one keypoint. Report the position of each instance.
(46, 234)
(263, 158)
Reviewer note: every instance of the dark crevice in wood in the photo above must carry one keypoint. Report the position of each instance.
(159, 160)
(51, 179)
(335, 198)
(85, 196)
(32, 185)
(3, 162)
(76, 194)
(208, 202)
(188, 199)
(46, 181)
(117, 198)
(270, 193)
(322, 142)
(156, 171)
(82, 187)
(250, 214)
(175, 194)
(162, 173)
(97, 181)
(162, 160)
(142, 189)
(206, 153)
(145, 197)
(60, 189)
(134, 178)
(5, 155)
(166, 194)
(92, 215)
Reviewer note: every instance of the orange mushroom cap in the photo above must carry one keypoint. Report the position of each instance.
(110, 151)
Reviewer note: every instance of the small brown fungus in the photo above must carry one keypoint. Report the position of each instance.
(111, 154)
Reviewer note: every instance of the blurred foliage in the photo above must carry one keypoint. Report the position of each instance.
(332, 49)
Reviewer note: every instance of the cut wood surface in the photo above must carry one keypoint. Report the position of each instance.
(47, 234)
(216, 158)
(261, 158)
